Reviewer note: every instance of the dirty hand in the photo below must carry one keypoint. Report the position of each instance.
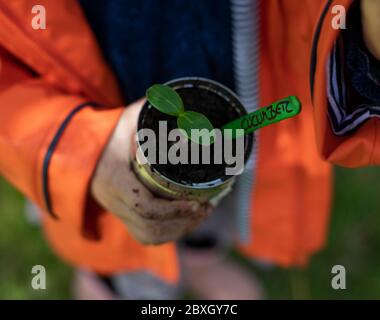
(151, 220)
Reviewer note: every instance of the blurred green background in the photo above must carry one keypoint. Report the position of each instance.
(354, 241)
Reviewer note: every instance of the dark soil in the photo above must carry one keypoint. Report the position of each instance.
(218, 111)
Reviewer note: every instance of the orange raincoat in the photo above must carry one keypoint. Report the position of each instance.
(45, 74)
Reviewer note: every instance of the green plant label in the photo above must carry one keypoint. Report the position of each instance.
(278, 111)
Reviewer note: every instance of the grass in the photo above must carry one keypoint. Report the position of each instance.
(354, 241)
(22, 246)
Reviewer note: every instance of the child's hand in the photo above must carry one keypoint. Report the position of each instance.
(371, 25)
(149, 219)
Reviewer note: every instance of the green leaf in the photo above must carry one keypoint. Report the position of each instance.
(193, 120)
(165, 99)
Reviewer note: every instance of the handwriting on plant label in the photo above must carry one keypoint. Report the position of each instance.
(270, 113)
(273, 113)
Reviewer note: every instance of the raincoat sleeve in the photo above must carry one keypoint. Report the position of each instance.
(31, 113)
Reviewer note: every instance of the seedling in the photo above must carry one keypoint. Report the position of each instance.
(168, 101)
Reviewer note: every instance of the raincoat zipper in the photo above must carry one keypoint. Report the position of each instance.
(245, 34)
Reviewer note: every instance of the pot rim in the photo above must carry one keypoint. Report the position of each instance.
(216, 182)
